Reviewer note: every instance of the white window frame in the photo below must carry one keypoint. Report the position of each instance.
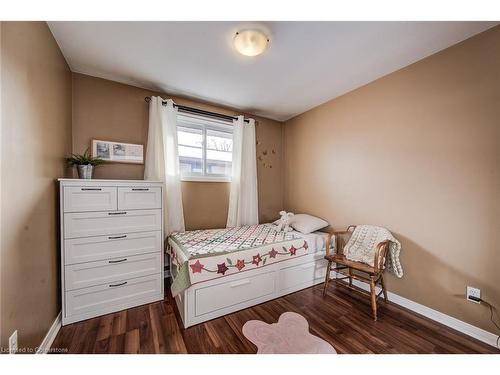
(203, 123)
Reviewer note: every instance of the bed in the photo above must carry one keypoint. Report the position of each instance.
(219, 271)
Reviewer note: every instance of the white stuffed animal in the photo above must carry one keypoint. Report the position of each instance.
(284, 222)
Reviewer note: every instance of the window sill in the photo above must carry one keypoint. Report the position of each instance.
(205, 179)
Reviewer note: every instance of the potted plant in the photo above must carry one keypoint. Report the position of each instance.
(85, 164)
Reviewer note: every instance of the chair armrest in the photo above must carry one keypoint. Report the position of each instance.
(380, 255)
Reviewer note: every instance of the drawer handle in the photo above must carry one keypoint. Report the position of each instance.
(115, 285)
(140, 189)
(91, 189)
(117, 237)
(117, 213)
(118, 261)
(239, 283)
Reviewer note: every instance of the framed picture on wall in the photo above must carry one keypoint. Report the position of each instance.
(118, 152)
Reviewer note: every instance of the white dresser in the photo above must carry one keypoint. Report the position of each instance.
(111, 246)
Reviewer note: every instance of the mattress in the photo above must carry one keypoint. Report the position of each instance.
(203, 255)
(316, 241)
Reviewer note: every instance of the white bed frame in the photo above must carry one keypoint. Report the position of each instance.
(217, 297)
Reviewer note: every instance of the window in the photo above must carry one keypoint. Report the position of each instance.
(205, 148)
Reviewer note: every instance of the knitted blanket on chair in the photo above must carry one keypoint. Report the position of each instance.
(362, 244)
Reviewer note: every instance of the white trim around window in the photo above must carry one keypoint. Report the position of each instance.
(206, 179)
(205, 148)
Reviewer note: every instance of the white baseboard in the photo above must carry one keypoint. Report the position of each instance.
(449, 321)
(50, 336)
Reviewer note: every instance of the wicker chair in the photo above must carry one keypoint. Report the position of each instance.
(375, 273)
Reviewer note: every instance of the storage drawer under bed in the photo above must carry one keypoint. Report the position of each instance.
(229, 293)
(294, 276)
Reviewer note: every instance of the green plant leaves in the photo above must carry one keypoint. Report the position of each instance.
(84, 159)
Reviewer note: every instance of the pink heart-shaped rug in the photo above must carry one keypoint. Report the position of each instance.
(289, 336)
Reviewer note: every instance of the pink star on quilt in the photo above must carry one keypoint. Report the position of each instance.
(293, 250)
(272, 253)
(256, 259)
(221, 268)
(305, 246)
(240, 263)
(197, 267)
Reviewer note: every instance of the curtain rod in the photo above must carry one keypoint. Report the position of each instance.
(197, 111)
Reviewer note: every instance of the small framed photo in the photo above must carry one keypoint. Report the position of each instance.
(118, 152)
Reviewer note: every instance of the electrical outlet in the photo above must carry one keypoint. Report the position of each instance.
(13, 343)
(474, 292)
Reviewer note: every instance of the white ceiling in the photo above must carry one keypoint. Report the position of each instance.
(307, 63)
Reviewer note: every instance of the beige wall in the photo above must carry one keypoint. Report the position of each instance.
(417, 151)
(36, 134)
(109, 110)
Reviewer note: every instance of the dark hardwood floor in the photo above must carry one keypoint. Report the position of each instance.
(341, 318)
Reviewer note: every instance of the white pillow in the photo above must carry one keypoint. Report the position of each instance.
(306, 224)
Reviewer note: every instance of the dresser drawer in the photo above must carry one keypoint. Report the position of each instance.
(226, 294)
(115, 296)
(89, 249)
(139, 198)
(89, 198)
(86, 224)
(83, 275)
(291, 277)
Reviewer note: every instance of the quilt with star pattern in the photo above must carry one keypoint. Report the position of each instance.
(202, 255)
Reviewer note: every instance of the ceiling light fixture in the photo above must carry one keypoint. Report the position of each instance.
(250, 42)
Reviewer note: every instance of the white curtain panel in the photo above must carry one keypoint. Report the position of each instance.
(162, 160)
(243, 197)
